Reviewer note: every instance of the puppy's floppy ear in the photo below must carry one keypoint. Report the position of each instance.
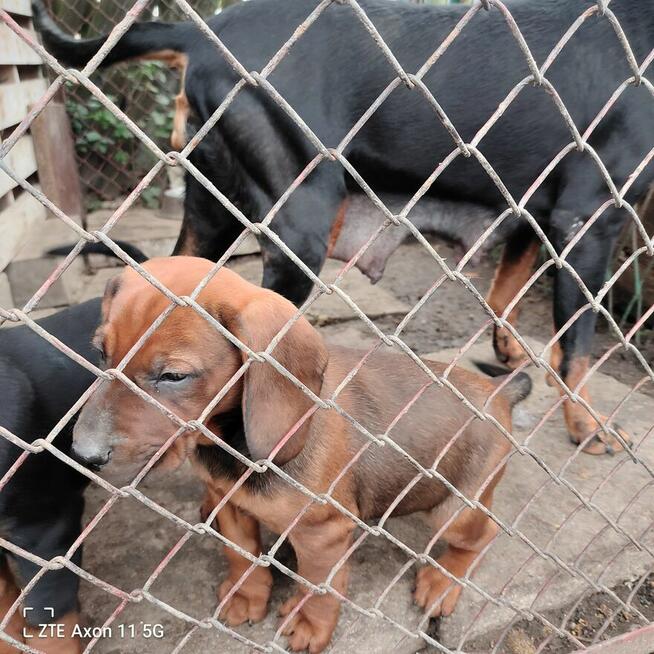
(110, 292)
(271, 403)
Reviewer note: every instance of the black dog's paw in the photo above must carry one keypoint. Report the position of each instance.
(434, 628)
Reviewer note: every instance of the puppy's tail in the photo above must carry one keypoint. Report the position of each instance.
(516, 390)
(148, 39)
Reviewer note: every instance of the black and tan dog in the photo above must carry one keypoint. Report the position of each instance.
(41, 505)
(41, 502)
(334, 73)
(186, 362)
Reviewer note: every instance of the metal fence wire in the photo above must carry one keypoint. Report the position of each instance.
(111, 159)
(628, 537)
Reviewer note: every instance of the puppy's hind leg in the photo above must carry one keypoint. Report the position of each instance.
(466, 536)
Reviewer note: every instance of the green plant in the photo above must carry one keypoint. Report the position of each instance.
(148, 102)
(152, 78)
(96, 129)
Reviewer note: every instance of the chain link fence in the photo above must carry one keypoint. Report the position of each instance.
(545, 561)
(110, 157)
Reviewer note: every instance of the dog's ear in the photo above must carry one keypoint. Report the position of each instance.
(272, 404)
(110, 291)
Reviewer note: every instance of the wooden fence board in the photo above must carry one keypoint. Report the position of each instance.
(14, 51)
(22, 161)
(16, 98)
(47, 149)
(55, 158)
(17, 222)
(21, 7)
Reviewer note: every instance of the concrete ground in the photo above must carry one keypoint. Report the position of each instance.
(557, 550)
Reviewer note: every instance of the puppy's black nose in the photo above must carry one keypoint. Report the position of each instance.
(92, 460)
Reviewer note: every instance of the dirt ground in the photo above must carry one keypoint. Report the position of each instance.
(131, 539)
(409, 273)
(594, 619)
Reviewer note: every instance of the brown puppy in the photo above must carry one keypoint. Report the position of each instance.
(186, 362)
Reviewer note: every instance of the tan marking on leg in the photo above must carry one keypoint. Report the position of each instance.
(250, 601)
(189, 248)
(511, 275)
(318, 548)
(337, 226)
(556, 356)
(171, 58)
(182, 109)
(581, 425)
(178, 61)
(9, 593)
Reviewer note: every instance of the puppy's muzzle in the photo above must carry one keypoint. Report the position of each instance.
(93, 437)
(94, 459)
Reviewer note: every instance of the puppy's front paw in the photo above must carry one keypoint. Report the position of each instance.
(250, 601)
(305, 631)
(436, 592)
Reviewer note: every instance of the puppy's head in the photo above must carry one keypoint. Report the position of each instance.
(186, 363)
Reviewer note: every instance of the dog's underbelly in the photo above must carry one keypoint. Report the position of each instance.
(463, 223)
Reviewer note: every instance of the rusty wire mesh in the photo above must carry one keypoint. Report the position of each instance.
(110, 158)
(515, 207)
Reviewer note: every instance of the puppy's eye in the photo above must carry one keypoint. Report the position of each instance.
(173, 377)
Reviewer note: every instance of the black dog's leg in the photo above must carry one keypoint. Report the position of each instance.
(304, 224)
(513, 272)
(208, 228)
(54, 597)
(590, 258)
(9, 593)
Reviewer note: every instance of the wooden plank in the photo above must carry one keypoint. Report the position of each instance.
(55, 157)
(17, 222)
(15, 99)
(22, 7)
(14, 50)
(21, 160)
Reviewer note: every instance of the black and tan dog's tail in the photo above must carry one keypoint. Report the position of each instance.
(516, 390)
(100, 248)
(150, 40)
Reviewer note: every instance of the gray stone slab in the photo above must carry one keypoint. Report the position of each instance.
(373, 300)
(93, 285)
(554, 520)
(138, 226)
(27, 275)
(353, 333)
(6, 299)
(172, 204)
(249, 246)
